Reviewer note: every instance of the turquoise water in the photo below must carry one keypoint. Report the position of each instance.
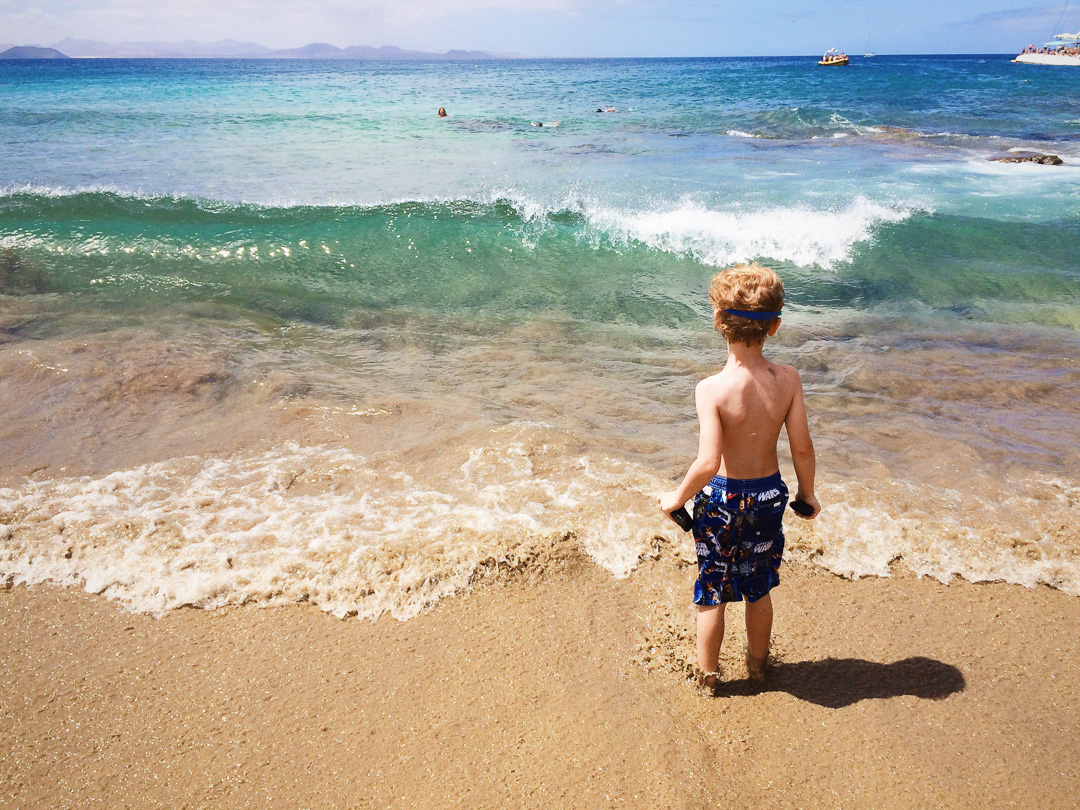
(841, 177)
(226, 266)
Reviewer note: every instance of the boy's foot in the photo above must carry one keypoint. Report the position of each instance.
(707, 681)
(755, 667)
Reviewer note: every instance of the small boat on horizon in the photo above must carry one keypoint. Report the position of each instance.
(833, 57)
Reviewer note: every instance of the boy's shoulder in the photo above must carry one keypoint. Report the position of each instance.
(726, 389)
(787, 377)
(785, 372)
(722, 379)
(714, 382)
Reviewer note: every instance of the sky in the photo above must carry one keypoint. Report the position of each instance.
(573, 28)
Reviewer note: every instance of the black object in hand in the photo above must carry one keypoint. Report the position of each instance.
(683, 518)
(802, 508)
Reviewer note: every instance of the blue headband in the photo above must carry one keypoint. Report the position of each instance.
(754, 316)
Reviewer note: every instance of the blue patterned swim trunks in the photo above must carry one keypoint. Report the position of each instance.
(739, 534)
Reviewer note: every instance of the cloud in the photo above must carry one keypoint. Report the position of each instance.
(275, 19)
(1021, 20)
(562, 27)
(407, 12)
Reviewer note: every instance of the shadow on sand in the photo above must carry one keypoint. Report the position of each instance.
(838, 682)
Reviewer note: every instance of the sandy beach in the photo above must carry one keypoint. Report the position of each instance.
(549, 685)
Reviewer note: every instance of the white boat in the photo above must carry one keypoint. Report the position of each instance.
(1064, 50)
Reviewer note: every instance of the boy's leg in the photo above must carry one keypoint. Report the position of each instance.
(758, 631)
(710, 635)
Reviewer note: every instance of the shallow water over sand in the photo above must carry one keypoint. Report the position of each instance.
(379, 468)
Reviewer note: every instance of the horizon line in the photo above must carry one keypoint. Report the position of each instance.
(495, 57)
(410, 54)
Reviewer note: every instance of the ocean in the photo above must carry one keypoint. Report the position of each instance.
(272, 332)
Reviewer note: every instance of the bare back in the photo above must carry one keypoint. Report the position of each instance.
(752, 398)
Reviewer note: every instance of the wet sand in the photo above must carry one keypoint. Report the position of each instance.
(553, 685)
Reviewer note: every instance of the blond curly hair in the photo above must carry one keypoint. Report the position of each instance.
(748, 287)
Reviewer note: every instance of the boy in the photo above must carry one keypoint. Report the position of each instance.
(738, 513)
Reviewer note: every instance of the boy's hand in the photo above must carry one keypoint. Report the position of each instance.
(811, 501)
(669, 502)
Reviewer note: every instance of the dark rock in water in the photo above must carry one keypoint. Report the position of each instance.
(19, 276)
(1029, 157)
(30, 52)
(968, 312)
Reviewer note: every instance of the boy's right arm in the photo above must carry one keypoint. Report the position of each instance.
(706, 464)
(802, 448)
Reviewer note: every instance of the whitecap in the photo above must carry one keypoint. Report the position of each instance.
(797, 234)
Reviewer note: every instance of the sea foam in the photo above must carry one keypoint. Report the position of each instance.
(800, 235)
(365, 537)
(354, 536)
(865, 531)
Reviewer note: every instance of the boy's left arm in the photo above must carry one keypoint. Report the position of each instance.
(802, 448)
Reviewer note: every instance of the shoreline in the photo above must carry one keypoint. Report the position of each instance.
(553, 685)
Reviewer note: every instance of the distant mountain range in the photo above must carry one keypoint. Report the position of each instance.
(230, 49)
(30, 52)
